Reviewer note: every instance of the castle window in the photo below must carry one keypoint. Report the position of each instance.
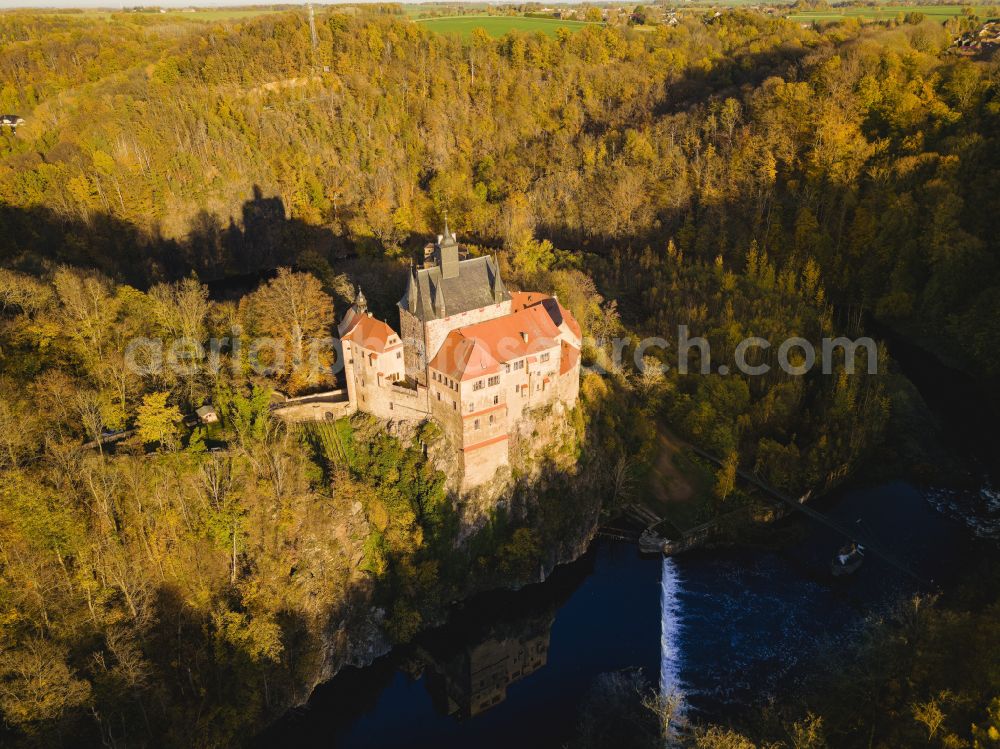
(478, 385)
(496, 399)
(475, 424)
(399, 354)
(506, 368)
(390, 406)
(454, 405)
(439, 396)
(491, 418)
(519, 365)
(544, 357)
(495, 380)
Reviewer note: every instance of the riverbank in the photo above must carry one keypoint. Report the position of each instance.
(751, 625)
(759, 534)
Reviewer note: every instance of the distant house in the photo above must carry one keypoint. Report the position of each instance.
(11, 120)
(207, 415)
(980, 43)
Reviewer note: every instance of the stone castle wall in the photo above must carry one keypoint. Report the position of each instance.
(437, 330)
(481, 464)
(482, 426)
(315, 411)
(477, 415)
(412, 332)
(569, 386)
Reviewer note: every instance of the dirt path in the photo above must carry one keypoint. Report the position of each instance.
(666, 481)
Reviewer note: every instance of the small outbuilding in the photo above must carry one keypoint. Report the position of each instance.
(11, 120)
(207, 415)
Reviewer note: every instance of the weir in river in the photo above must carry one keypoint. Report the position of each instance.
(671, 688)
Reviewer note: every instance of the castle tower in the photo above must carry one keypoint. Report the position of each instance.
(446, 253)
(445, 294)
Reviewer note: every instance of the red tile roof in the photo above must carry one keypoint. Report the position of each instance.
(521, 299)
(371, 334)
(559, 314)
(462, 358)
(569, 357)
(477, 350)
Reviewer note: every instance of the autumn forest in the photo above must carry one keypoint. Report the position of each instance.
(739, 173)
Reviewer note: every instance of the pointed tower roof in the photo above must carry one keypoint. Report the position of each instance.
(411, 298)
(446, 252)
(360, 301)
(497, 284)
(461, 285)
(439, 306)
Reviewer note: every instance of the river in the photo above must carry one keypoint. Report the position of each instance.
(724, 630)
(727, 629)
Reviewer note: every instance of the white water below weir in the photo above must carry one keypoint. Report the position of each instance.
(671, 692)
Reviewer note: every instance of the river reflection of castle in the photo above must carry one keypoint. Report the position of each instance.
(475, 678)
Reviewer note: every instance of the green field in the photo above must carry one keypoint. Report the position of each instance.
(497, 26)
(887, 12)
(418, 10)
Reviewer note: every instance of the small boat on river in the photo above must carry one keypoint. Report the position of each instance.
(848, 559)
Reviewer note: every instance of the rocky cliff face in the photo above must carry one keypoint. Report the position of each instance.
(546, 460)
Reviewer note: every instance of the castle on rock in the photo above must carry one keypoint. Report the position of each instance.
(470, 354)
